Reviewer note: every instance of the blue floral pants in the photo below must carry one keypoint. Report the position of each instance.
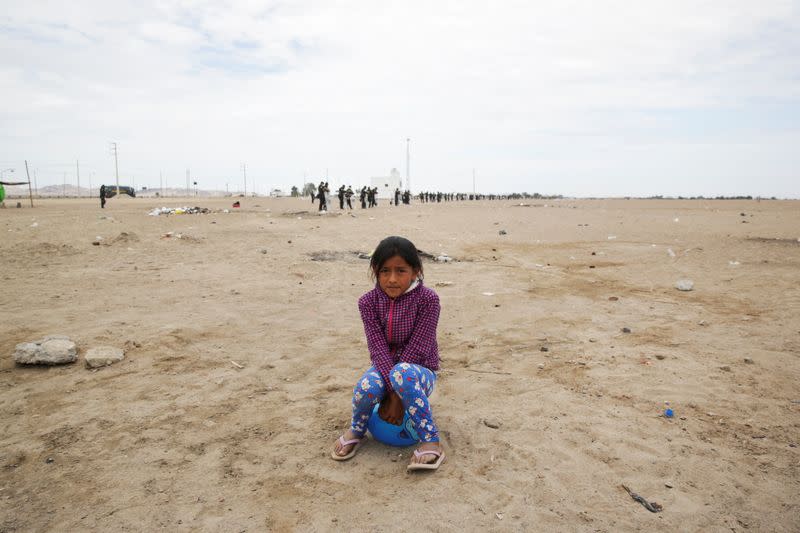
(413, 383)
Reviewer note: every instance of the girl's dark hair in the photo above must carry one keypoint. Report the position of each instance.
(390, 247)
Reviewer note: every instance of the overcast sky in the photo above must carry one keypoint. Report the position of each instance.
(575, 98)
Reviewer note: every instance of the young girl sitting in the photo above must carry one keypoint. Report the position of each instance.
(400, 316)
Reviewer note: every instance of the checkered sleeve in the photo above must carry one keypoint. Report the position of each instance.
(379, 351)
(422, 346)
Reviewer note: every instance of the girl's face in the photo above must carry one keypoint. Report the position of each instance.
(395, 276)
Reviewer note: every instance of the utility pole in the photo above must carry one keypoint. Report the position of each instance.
(188, 192)
(64, 188)
(28, 173)
(244, 171)
(116, 164)
(91, 174)
(161, 182)
(78, 174)
(473, 182)
(408, 164)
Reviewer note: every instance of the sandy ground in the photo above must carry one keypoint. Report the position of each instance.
(176, 437)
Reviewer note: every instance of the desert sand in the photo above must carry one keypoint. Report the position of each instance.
(243, 341)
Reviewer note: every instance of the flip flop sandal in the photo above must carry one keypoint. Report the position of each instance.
(358, 442)
(427, 466)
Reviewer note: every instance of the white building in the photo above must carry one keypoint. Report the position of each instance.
(386, 185)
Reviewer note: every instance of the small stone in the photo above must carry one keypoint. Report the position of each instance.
(49, 460)
(626, 330)
(263, 251)
(502, 232)
(51, 350)
(725, 368)
(613, 298)
(492, 423)
(660, 357)
(544, 349)
(103, 356)
(541, 366)
(668, 485)
(592, 339)
(684, 285)
(748, 360)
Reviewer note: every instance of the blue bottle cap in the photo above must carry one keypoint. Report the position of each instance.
(668, 413)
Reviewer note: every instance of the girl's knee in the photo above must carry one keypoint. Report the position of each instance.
(368, 390)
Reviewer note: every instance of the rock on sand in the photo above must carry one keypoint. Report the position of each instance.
(51, 350)
(103, 356)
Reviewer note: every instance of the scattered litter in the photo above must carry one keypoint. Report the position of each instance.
(158, 211)
(541, 366)
(676, 219)
(733, 263)
(670, 252)
(684, 285)
(324, 255)
(653, 507)
(612, 237)
(237, 365)
(488, 293)
(444, 258)
(35, 224)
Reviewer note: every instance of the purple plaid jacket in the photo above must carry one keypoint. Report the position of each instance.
(402, 330)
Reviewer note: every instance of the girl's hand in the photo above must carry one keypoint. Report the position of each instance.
(391, 409)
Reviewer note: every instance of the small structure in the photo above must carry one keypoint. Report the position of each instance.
(386, 185)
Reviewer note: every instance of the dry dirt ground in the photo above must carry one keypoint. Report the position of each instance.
(178, 437)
